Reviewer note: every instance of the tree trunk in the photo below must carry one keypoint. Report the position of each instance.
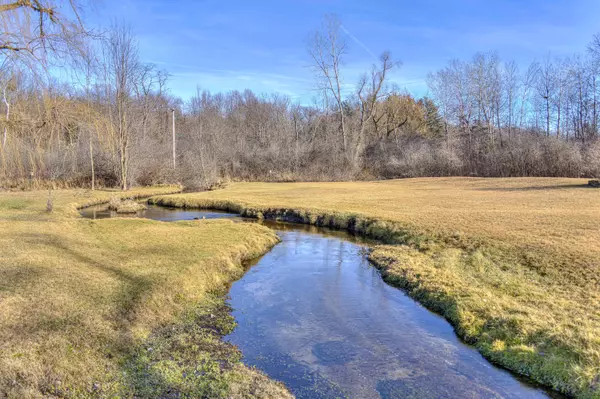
(92, 164)
(174, 143)
(5, 133)
(547, 116)
(343, 122)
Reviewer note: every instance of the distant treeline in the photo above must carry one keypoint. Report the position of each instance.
(112, 123)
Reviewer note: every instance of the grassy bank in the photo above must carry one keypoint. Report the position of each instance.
(119, 307)
(512, 263)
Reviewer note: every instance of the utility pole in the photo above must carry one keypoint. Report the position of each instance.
(174, 154)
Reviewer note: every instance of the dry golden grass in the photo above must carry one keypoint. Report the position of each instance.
(513, 263)
(125, 206)
(88, 307)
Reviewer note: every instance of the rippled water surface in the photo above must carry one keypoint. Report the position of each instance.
(314, 314)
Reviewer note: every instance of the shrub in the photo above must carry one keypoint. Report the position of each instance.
(125, 206)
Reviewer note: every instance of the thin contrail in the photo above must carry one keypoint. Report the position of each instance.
(361, 44)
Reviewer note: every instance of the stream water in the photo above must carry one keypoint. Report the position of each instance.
(314, 314)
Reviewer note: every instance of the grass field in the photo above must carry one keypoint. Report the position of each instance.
(119, 307)
(513, 264)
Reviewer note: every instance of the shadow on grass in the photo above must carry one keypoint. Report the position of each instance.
(38, 216)
(537, 188)
(14, 278)
(135, 287)
(185, 357)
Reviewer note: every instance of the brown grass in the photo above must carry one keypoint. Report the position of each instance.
(512, 263)
(125, 205)
(86, 305)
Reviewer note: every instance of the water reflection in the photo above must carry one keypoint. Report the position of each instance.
(314, 314)
(156, 213)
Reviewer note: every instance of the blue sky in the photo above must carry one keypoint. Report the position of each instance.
(261, 45)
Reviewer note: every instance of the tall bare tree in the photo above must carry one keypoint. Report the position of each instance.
(372, 92)
(511, 88)
(122, 68)
(546, 88)
(327, 48)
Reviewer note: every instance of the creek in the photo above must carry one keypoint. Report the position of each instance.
(314, 314)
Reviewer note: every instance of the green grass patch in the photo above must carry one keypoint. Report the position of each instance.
(12, 204)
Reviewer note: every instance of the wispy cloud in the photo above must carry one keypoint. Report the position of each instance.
(185, 82)
(247, 75)
(361, 44)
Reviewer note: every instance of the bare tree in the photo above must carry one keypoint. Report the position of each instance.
(546, 88)
(122, 67)
(327, 48)
(372, 92)
(594, 51)
(511, 87)
(486, 88)
(117, 122)
(528, 83)
(6, 87)
(34, 30)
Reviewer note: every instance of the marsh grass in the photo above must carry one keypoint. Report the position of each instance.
(82, 301)
(188, 358)
(511, 263)
(125, 205)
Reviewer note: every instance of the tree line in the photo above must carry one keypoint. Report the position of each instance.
(80, 108)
